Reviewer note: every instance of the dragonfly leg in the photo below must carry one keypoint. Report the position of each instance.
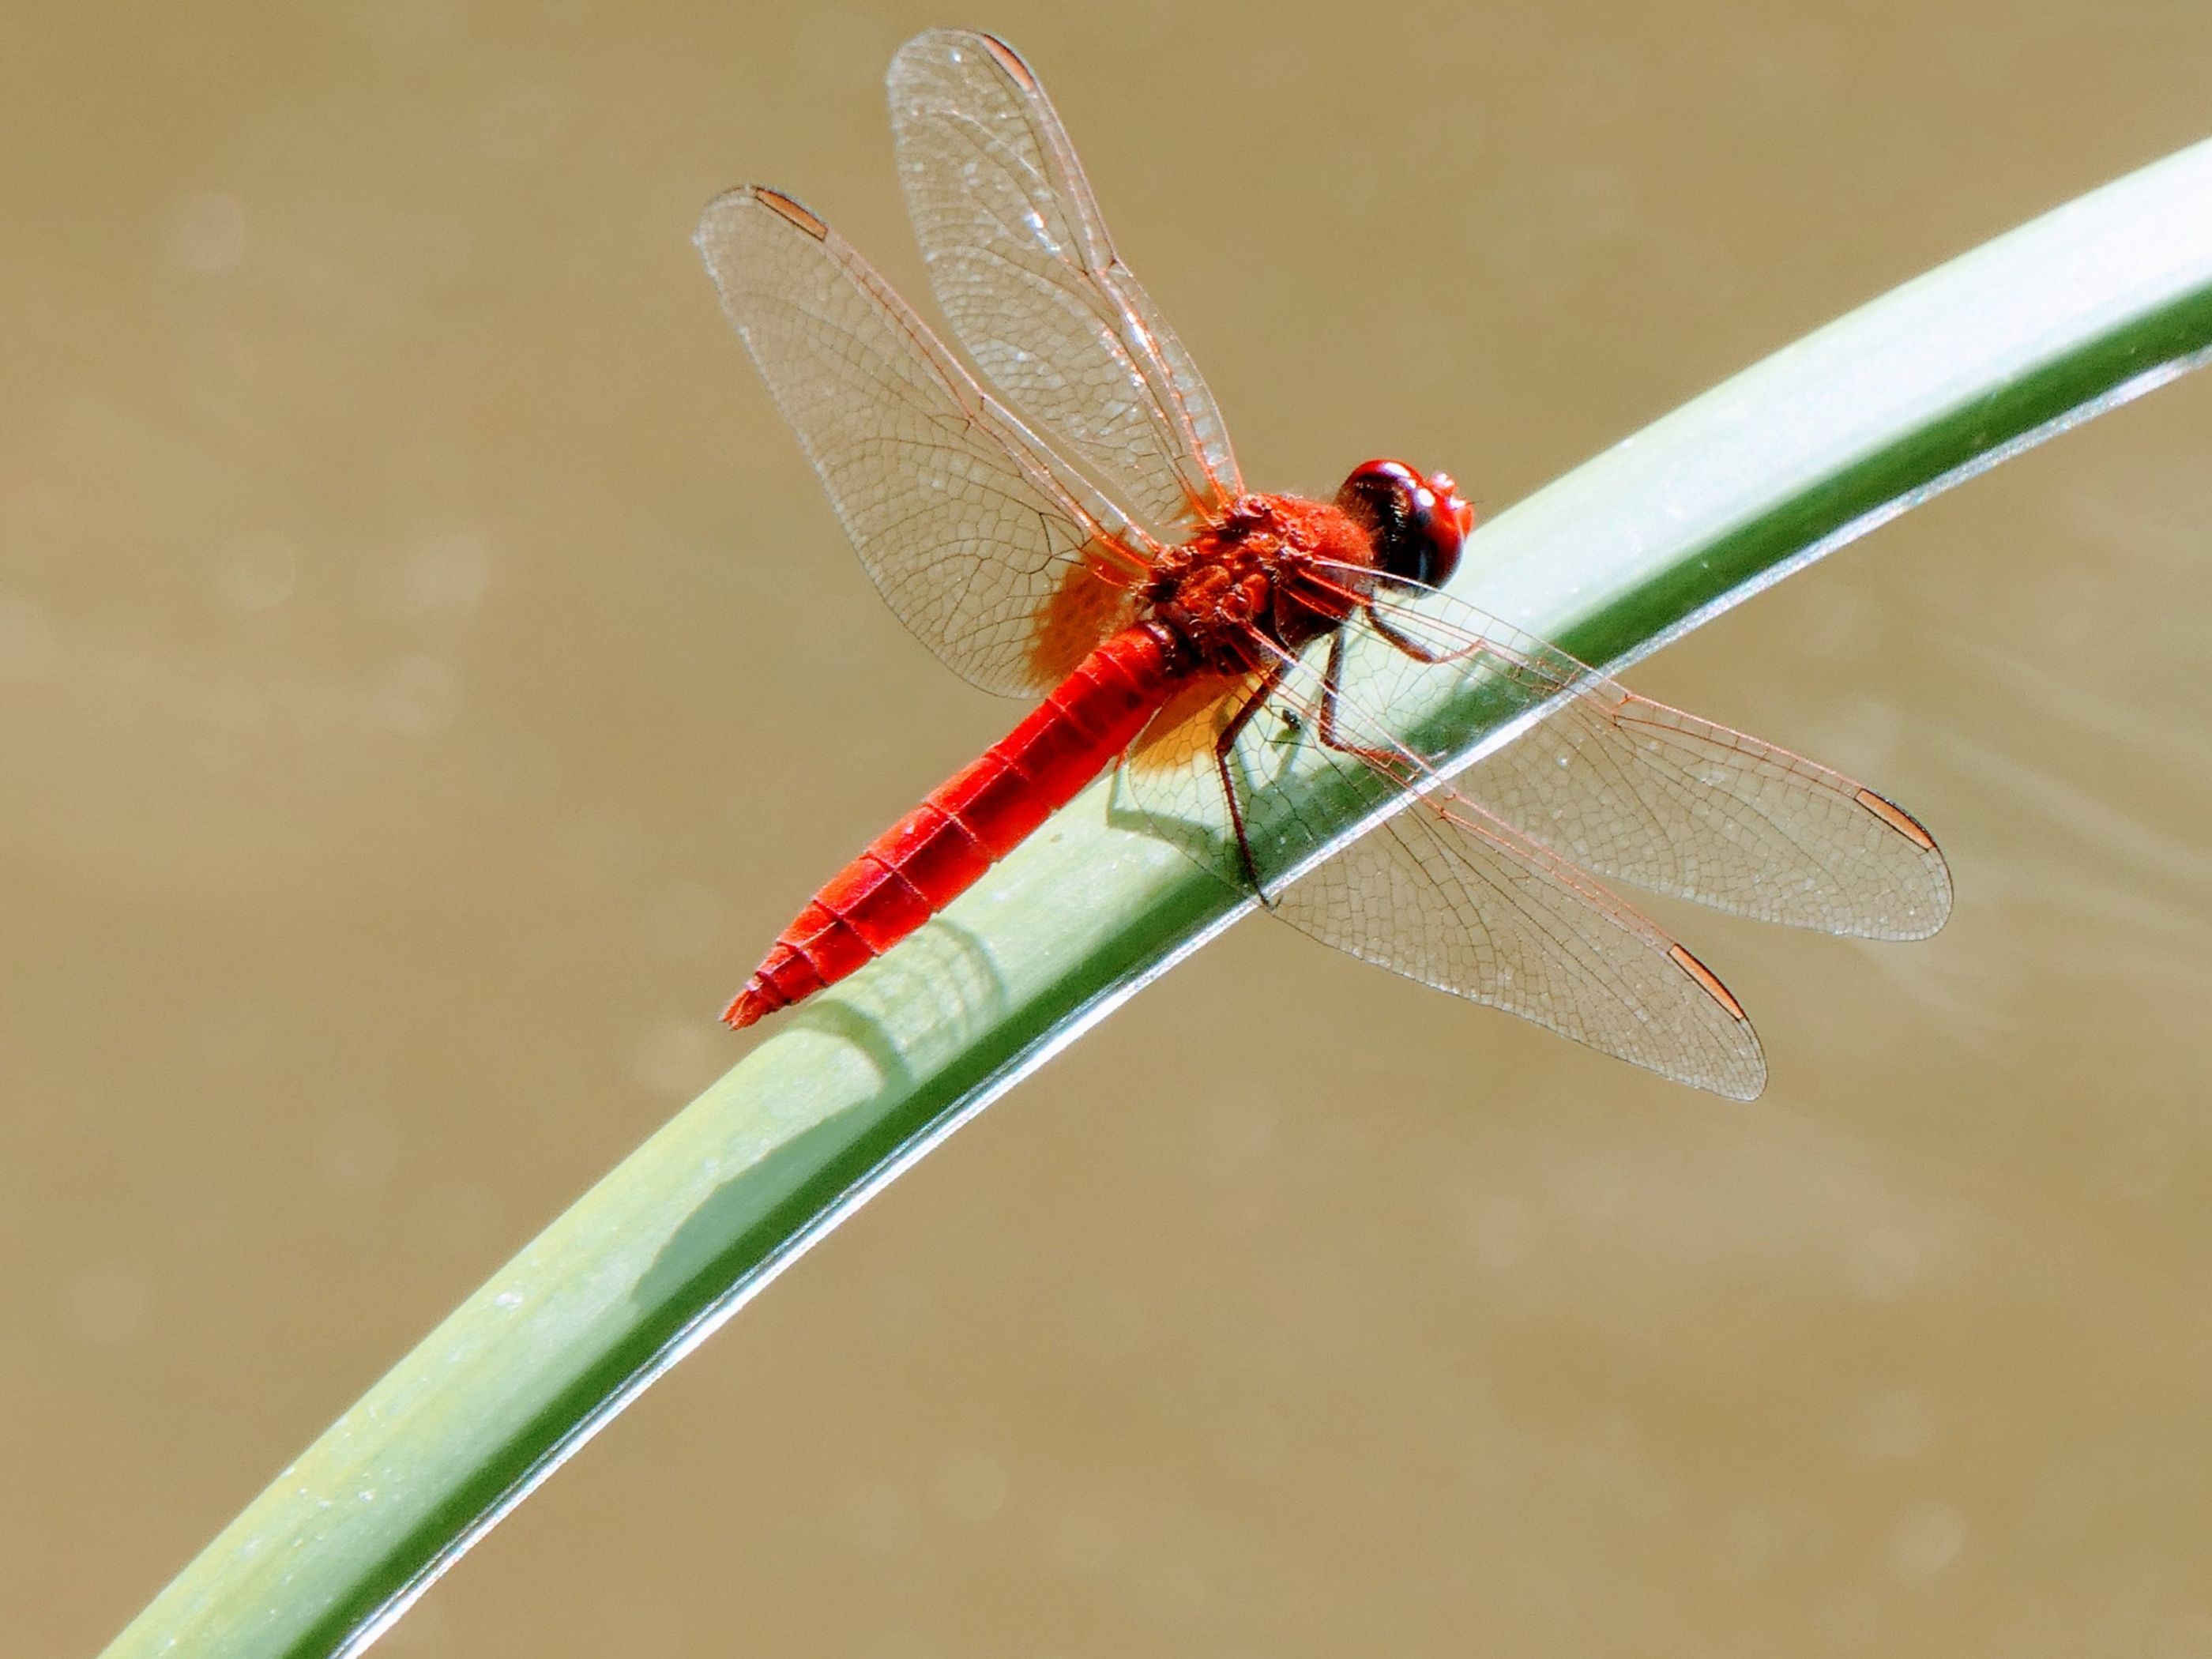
(1530, 671)
(1413, 647)
(1222, 745)
(1388, 762)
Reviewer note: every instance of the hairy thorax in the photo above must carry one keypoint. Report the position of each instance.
(1289, 569)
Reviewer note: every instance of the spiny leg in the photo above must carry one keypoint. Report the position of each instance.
(1544, 677)
(1222, 745)
(1413, 647)
(1389, 761)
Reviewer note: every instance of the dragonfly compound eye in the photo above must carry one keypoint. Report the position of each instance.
(1418, 524)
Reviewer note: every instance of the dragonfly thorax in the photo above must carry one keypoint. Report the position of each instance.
(1280, 568)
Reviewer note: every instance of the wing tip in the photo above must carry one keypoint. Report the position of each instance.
(1709, 982)
(1009, 60)
(719, 216)
(792, 210)
(1748, 1089)
(1746, 1080)
(938, 44)
(1935, 906)
(1897, 818)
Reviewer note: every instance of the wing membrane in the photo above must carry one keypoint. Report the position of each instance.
(1673, 804)
(1443, 891)
(1446, 894)
(1634, 790)
(1027, 276)
(1001, 563)
(1447, 889)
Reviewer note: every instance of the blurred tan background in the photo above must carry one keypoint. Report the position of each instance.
(429, 675)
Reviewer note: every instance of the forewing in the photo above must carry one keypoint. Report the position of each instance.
(1006, 567)
(1440, 891)
(1637, 790)
(1634, 790)
(1027, 276)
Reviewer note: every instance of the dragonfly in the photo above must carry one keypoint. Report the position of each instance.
(1257, 670)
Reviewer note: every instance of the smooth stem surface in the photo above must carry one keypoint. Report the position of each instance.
(2085, 307)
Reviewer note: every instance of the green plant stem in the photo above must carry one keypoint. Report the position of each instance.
(2077, 311)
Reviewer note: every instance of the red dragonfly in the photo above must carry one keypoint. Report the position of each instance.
(1266, 668)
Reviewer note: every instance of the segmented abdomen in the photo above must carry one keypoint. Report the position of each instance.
(936, 852)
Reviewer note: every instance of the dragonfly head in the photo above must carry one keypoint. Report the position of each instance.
(1418, 524)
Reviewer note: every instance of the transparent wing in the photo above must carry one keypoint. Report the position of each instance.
(1673, 804)
(1446, 894)
(1007, 567)
(1022, 265)
(1634, 790)
(1441, 892)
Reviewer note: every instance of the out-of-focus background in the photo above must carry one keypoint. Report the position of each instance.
(429, 675)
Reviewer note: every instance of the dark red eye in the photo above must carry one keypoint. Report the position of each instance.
(1418, 524)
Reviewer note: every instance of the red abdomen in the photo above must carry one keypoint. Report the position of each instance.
(935, 853)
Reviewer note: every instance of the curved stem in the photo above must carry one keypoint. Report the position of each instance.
(2080, 309)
